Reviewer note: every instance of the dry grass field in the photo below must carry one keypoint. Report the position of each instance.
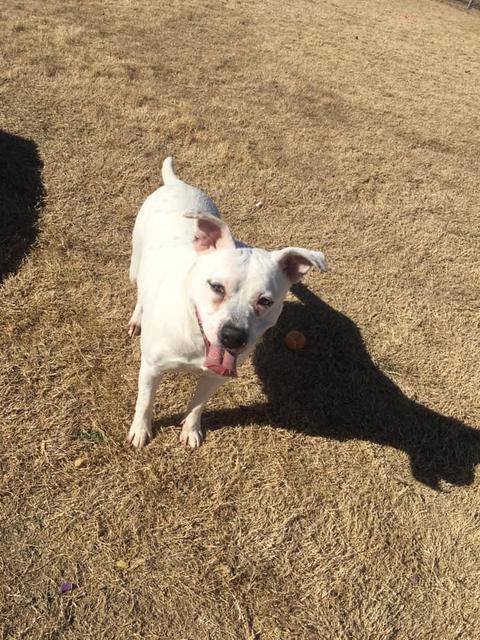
(336, 496)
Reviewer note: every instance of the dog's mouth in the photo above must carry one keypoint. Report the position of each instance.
(218, 359)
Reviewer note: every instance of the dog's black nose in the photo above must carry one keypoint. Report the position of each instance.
(232, 337)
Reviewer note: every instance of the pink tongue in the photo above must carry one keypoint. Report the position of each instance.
(221, 361)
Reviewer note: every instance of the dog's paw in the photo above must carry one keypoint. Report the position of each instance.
(192, 437)
(134, 329)
(139, 435)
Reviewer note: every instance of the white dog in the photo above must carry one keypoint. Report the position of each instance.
(204, 299)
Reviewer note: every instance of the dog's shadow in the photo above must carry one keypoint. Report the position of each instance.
(22, 196)
(333, 389)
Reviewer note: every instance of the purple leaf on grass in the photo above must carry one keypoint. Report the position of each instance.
(66, 587)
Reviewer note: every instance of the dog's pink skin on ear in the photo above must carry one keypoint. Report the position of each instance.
(210, 233)
(295, 267)
(296, 262)
(211, 236)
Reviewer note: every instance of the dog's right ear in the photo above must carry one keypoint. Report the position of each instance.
(210, 232)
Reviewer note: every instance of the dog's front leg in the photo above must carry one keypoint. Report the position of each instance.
(192, 433)
(141, 430)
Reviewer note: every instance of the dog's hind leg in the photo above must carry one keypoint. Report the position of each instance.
(135, 322)
(137, 241)
(192, 433)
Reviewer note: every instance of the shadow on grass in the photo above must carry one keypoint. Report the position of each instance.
(21, 198)
(334, 390)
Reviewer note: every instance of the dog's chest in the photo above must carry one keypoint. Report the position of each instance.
(172, 340)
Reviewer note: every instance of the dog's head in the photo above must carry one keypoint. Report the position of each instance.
(239, 291)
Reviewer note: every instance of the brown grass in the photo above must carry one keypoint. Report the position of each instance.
(335, 496)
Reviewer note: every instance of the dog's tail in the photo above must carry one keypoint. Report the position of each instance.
(168, 171)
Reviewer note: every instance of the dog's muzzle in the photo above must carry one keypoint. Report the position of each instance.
(218, 359)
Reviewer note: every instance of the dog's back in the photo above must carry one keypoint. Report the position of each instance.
(161, 223)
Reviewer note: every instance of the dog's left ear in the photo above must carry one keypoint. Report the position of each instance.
(210, 232)
(296, 262)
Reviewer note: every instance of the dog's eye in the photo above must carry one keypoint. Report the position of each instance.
(218, 288)
(265, 302)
